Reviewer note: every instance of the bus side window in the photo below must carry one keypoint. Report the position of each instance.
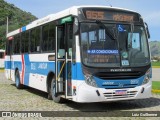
(35, 40)
(32, 41)
(48, 37)
(16, 44)
(45, 37)
(23, 42)
(51, 43)
(26, 42)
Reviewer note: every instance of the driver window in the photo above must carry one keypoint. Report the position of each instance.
(134, 40)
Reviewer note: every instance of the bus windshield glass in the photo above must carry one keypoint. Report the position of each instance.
(114, 45)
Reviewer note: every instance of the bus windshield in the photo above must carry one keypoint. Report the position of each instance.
(129, 47)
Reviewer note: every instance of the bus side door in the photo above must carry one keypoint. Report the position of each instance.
(64, 59)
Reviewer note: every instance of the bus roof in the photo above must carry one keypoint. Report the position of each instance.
(64, 13)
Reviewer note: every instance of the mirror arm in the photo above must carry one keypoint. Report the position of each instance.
(147, 30)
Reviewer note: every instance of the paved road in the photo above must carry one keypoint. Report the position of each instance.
(30, 99)
(156, 74)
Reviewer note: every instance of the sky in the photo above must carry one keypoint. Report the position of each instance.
(149, 9)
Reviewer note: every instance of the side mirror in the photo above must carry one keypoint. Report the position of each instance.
(146, 25)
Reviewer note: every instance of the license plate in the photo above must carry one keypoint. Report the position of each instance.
(121, 92)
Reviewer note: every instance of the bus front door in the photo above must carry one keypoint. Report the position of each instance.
(63, 60)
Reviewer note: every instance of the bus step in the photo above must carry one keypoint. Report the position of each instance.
(60, 93)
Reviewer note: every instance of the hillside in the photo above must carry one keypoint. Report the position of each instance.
(155, 48)
(17, 18)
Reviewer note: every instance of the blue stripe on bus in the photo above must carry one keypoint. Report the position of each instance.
(12, 65)
(7, 64)
(77, 73)
(119, 83)
(43, 68)
(23, 28)
(27, 67)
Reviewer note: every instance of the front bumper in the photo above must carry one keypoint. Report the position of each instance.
(86, 93)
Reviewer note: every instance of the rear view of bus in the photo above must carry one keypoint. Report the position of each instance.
(83, 54)
(2, 56)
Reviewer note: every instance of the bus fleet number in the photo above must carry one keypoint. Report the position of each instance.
(94, 15)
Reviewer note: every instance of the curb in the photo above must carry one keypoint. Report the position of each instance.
(1, 70)
(155, 66)
(155, 91)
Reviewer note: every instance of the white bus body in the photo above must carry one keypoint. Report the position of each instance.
(60, 67)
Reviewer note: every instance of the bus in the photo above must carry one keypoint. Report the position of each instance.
(2, 54)
(83, 54)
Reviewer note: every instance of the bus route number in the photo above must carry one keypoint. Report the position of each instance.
(94, 15)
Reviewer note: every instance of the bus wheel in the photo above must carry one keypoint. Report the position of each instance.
(56, 98)
(17, 80)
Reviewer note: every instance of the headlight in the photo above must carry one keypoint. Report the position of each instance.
(90, 81)
(147, 76)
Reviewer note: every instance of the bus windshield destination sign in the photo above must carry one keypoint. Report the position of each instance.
(110, 15)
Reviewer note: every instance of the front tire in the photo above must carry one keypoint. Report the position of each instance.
(56, 98)
(17, 80)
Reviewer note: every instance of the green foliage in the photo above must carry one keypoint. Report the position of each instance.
(155, 48)
(17, 18)
(156, 85)
(155, 63)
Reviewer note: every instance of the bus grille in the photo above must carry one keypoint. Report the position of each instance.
(112, 95)
(118, 75)
(117, 86)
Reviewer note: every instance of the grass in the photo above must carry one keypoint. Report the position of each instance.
(1, 69)
(155, 64)
(156, 87)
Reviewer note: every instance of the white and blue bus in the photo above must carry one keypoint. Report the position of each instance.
(83, 54)
(2, 54)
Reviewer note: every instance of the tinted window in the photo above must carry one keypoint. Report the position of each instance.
(17, 44)
(23, 42)
(35, 40)
(26, 42)
(48, 37)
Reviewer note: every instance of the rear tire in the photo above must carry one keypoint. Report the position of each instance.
(17, 80)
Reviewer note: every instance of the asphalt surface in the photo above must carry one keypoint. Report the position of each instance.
(28, 99)
(156, 74)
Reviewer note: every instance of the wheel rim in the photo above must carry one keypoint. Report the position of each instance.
(53, 88)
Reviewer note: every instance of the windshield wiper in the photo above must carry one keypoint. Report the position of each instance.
(107, 31)
(132, 29)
